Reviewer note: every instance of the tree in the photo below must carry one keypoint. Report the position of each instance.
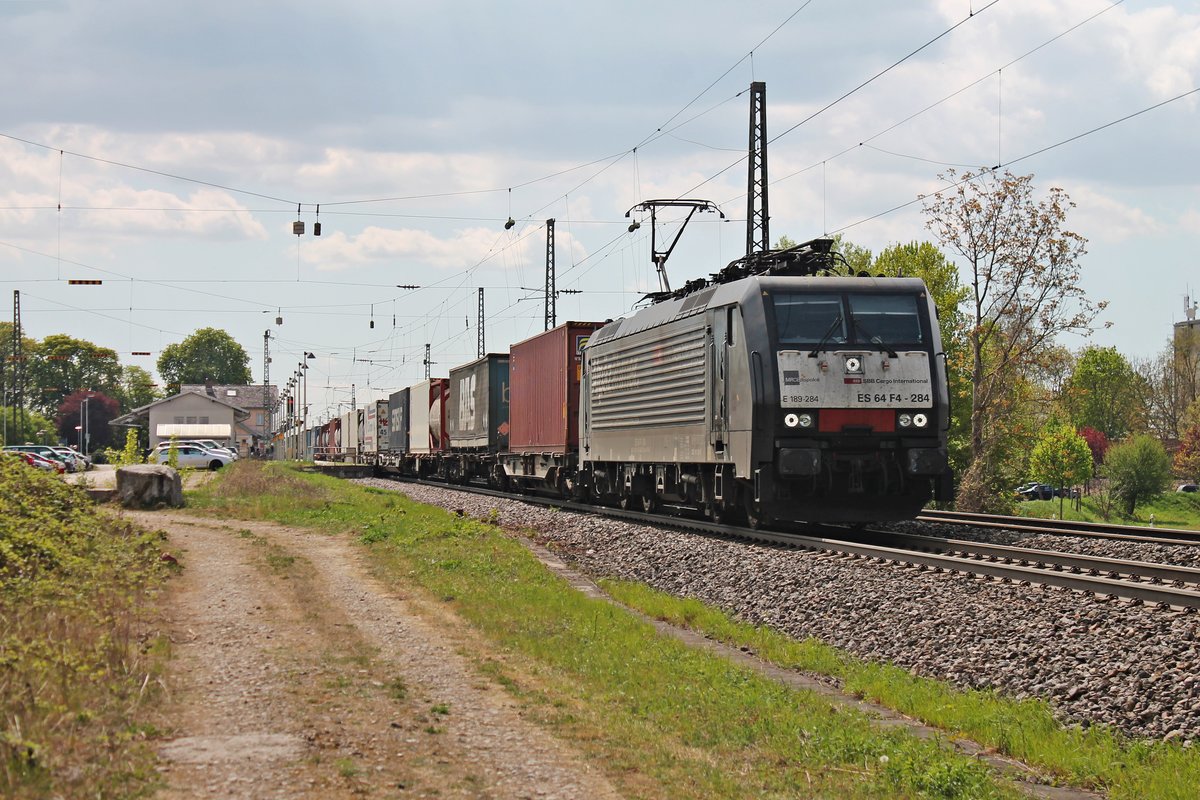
(925, 261)
(60, 365)
(26, 426)
(1022, 270)
(209, 354)
(100, 409)
(1061, 458)
(1171, 383)
(1138, 470)
(1097, 442)
(137, 388)
(1187, 457)
(1105, 393)
(857, 259)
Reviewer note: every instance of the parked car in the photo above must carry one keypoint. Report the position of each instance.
(1188, 487)
(1035, 491)
(192, 455)
(1071, 492)
(35, 460)
(43, 451)
(86, 459)
(73, 458)
(207, 444)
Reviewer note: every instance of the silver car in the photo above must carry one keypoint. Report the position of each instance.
(192, 455)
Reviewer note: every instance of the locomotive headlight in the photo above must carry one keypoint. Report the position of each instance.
(794, 420)
(905, 420)
(920, 420)
(854, 364)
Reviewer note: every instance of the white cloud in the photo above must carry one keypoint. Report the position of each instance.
(1189, 220)
(1100, 217)
(409, 247)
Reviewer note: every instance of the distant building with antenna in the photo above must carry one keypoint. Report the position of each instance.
(1189, 313)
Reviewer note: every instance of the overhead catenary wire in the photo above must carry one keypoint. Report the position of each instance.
(591, 260)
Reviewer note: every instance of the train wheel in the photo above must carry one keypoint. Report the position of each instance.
(649, 503)
(715, 513)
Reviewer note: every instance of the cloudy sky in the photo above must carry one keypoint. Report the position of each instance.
(168, 148)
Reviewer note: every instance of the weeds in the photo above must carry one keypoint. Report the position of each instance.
(76, 666)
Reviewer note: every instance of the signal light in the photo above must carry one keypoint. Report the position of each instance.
(140, 353)
(78, 282)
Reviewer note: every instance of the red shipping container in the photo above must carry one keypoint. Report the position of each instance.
(544, 376)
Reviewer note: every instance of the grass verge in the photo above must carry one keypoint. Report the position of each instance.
(666, 721)
(1168, 510)
(76, 667)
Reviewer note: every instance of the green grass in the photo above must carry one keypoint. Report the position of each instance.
(77, 667)
(1169, 510)
(668, 721)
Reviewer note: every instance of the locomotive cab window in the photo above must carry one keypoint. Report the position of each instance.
(885, 319)
(809, 319)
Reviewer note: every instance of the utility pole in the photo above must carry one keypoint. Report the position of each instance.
(758, 237)
(268, 406)
(18, 370)
(427, 362)
(551, 315)
(481, 348)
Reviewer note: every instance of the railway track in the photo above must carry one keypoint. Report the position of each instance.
(1163, 586)
(1055, 527)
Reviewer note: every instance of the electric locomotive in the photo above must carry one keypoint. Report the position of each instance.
(772, 391)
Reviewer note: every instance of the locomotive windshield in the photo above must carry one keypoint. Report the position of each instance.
(810, 318)
(863, 319)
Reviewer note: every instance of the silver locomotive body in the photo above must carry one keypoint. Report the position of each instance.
(784, 398)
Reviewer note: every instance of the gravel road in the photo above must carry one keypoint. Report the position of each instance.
(1126, 666)
(296, 674)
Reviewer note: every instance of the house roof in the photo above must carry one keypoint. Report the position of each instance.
(141, 415)
(243, 395)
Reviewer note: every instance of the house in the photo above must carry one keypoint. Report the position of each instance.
(253, 433)
(187, 415)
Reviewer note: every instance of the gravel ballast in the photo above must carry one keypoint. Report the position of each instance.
(1130, 667)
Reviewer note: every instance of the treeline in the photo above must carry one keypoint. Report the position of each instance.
(59, 373)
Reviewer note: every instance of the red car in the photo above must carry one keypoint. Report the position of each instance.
(41, 462)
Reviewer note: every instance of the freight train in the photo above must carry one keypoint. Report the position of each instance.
(774, 392)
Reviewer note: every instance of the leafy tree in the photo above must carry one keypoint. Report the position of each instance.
(137, 388)
(1138, 470)
(1061, 458)
(925, 261)
(100, 409)
(22, 425)
(1022, 269)
(209, 354)
(1187, 457)
(61, 365)
(1097, 442)
(1104, 392)
(1171, 384)
(858, 259)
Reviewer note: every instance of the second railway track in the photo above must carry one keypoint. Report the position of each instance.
(1155, 584)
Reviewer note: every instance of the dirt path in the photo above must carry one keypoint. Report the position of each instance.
(296, 674)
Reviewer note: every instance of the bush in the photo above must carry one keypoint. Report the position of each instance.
(1138, 470)
(74, 592)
